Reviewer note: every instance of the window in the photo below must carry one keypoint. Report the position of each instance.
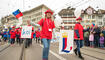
(65, 27)
(100, 23)
(69, 20)
(89, 17)
(69, 15)
(65, 21)
(93, 21)
(64, 15)
(93, 16)
(100, 17)
(74, 20)
(82, 16)
(104, 19)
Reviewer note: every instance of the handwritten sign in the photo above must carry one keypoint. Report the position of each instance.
(26, 32)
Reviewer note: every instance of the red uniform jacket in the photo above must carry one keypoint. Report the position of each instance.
(37, 34)
(13, 34)
(79, 34)
(32, 35)
(46, 24)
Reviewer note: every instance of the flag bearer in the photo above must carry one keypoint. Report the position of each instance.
(48, 26)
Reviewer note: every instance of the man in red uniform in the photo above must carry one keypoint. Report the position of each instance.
(37, 35)
(18, 31)
(13, 35)
(48, 26)
(78, 36)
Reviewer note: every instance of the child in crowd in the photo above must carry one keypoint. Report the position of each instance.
(91, 39)
(102, 40)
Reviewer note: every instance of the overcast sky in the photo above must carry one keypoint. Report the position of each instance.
(8, 6)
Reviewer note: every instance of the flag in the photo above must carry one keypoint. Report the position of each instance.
(17, 13)
(93, 24)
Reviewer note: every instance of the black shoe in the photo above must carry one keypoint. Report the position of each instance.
(80, 56)
(25, 46)
(75, 51)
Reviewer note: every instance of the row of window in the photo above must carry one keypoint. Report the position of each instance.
(69, 21)
(68, 15)
(88, 21)
(35, 15)
(68, 27)
(36, 19)
(91, 17)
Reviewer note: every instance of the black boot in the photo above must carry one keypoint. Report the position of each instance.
(75, 51)
(80, 56)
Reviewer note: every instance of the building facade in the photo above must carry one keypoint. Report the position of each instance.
(89, 16)
(34, 15)
(68, 18)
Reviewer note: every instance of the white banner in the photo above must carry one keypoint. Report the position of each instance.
(26, 32)
(66, 42)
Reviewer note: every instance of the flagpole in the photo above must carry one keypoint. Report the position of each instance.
(23, 5)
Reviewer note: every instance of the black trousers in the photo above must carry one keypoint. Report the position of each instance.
(86, 41)
(12, 41)
(37, 40)
(28, 42)
(96, 41)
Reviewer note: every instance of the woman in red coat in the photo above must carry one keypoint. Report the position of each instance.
(13, 35)
(47, 25)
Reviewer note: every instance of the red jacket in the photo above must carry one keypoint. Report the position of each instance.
(38, 34)
(79, 28)
(46, 24)
(17, 31)
(32, 35)
(13, 34)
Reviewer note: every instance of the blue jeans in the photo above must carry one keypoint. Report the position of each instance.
(91, 43)
(46, 43)
(79, 44)
(101, 45)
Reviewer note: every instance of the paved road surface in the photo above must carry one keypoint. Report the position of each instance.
(11, 53)
(34, 52)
